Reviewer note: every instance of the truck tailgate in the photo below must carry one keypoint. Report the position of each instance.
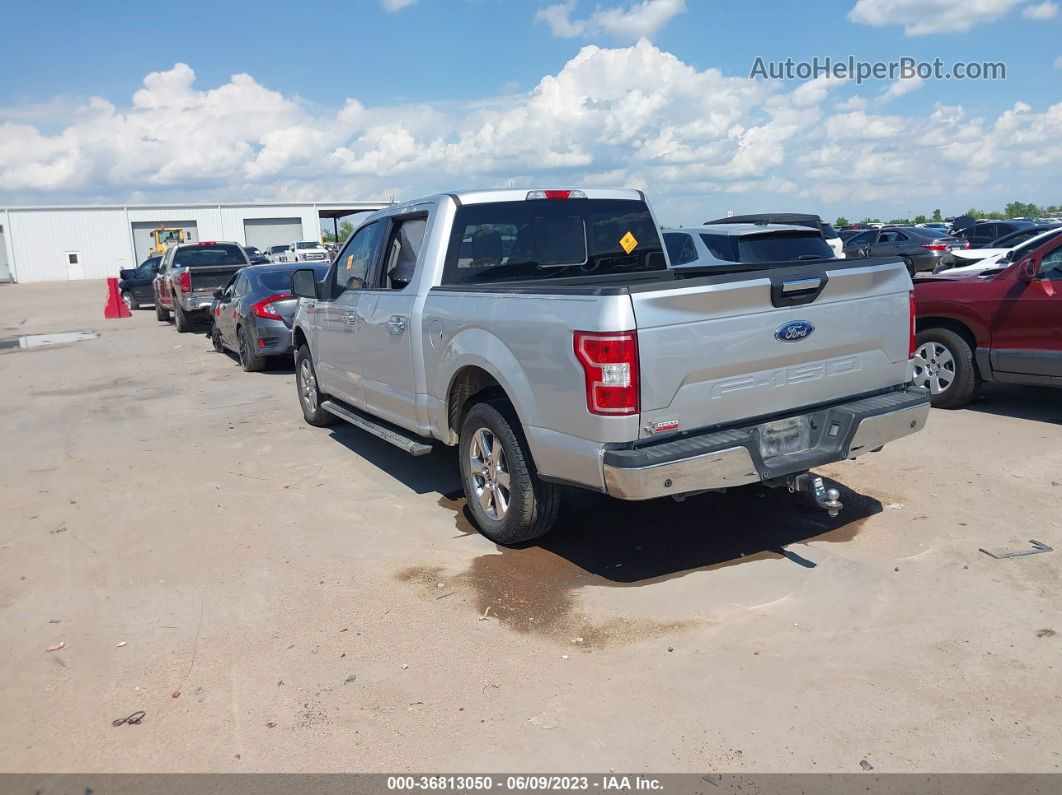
(208, 278)
(719, 349)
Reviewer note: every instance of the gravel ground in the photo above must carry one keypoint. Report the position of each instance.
(277, 597)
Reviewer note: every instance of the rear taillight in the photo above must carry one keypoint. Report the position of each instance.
(911, 341)
(966, 244)
(265, 308)
(610, 363)
(935, 246)
(556, 194)
(186, 282)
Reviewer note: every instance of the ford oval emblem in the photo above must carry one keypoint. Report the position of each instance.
(794, 331)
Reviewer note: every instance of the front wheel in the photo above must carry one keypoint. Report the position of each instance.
(508, 500)
(310, 396)
(162, 314)
(130, 301)
(944, 364)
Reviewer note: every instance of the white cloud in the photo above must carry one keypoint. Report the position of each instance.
(922, 17)
(697, 141)
(1058, 62)
(1044, 10)
(902, 87)
(626, 23)
(396, 5)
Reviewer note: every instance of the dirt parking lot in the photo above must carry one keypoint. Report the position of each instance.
(277, 597)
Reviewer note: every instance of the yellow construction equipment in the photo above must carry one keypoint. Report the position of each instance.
(165, 237)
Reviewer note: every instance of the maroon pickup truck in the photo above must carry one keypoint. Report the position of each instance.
(1003, 326)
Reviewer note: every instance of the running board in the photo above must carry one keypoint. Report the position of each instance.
(389, 433)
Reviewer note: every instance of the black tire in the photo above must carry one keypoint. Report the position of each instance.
(944, 357)
(249, 360)
(311, 408)
(532, 503)
(180, 319)
(130, 301)
(215, 338)
(910, 266)
(162, 314)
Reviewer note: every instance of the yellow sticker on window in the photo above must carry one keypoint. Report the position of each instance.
(628, 241)
(350, 262)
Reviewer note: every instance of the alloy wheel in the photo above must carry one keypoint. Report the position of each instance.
(490, 474)
(307, 386)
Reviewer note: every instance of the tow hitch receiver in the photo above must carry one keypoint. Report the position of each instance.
(827, 499)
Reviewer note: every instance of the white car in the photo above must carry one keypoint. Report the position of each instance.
(1000, 258)
(301, 251)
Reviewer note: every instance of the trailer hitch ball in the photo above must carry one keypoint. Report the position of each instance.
(827, 499)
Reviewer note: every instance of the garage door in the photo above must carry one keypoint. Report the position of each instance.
(266, 232)
(142, 235)
(5, 269)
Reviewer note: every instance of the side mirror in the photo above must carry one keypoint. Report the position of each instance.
(1028, 269)
(304, 284)
(219, 295)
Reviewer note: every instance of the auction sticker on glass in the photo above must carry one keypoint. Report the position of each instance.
(628, 242)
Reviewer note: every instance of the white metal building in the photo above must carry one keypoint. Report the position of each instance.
(93, 241)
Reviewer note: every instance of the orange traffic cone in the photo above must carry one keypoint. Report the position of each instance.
(115, 305)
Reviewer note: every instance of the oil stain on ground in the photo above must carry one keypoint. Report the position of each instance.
(602, 542)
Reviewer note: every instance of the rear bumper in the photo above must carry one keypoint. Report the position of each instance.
(732, 457)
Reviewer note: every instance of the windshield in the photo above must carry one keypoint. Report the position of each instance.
(1029, 246)
(549, 239)
(207, 254)
(781, 246)
(307, 244)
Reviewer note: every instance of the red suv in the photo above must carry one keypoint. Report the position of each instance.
(1003, 326)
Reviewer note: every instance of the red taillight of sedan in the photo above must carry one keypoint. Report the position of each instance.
(265, 308)
(936, 246)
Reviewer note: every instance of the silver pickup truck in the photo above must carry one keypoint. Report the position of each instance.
(543, 333)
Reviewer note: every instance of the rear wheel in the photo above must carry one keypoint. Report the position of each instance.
(310, 397)
(250, 361)
(910, 266)
(944, 364)
(508, 500)
(180, 319)
(130, 301)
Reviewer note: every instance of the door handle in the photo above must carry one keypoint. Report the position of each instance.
(396, 325)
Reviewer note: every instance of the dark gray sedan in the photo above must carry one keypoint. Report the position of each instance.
(919, 247)
(252, 313)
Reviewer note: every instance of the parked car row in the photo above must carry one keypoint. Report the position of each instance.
(562, 339)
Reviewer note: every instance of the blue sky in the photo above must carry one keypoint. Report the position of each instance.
(366, 99)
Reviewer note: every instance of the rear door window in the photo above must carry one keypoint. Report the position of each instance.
(549, 239)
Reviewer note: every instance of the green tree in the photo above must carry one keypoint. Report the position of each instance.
(920, 219)
(937, 216)
(1014, 209)
(345, 228)
(841, 221)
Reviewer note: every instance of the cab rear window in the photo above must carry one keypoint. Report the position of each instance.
(550, 239)
(200, 256)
